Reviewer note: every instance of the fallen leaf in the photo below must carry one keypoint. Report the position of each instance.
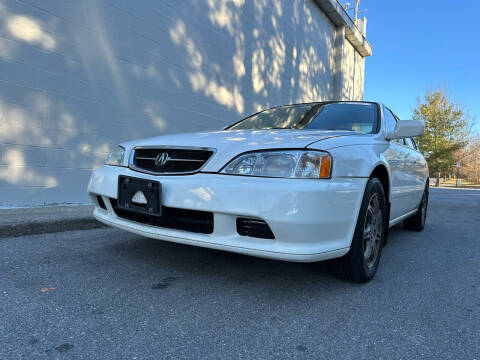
(47, 289)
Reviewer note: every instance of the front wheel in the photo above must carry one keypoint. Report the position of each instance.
(361, 262)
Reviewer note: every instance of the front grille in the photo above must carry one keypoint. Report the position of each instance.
(169, 161)
(254, 228)
(171, 218)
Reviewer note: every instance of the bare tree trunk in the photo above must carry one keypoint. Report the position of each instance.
(437, 182)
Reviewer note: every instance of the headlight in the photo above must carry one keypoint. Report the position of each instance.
(282, 163)
(115, 158)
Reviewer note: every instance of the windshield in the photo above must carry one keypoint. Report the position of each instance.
(350, 116)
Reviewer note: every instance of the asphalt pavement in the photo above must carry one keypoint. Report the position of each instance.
(108, 294)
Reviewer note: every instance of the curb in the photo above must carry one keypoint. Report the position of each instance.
(34, 228)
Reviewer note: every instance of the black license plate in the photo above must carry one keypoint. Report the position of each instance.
(139, 195)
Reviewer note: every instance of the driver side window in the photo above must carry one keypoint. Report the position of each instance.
(391, 121)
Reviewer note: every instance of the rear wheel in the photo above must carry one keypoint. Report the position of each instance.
(417, 221)
(361, 262)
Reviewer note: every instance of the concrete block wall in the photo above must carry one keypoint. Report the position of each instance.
(78, 77)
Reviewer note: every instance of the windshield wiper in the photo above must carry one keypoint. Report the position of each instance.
(339, 130)
(277, 128)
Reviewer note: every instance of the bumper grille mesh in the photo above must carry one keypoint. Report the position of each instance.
(171, 218)
(254, 228)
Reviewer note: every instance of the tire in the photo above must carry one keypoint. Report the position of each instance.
(361, 262)
(417, 222)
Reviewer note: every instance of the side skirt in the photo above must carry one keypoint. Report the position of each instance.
(403, 217)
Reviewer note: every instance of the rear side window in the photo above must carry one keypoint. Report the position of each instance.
(398, 141)
(410, 143)
(415, 144)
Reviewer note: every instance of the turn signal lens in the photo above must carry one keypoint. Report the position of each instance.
(325, 167)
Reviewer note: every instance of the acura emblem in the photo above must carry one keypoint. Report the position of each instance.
(162, 159)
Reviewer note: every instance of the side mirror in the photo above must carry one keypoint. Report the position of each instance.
(406, 128)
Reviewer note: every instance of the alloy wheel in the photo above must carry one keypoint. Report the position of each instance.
(372, 233)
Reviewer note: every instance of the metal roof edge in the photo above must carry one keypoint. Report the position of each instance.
(337, 14)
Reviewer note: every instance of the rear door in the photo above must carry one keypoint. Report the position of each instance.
(418, 170)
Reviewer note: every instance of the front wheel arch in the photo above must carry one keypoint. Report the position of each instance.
(352, 266)
(381, 173)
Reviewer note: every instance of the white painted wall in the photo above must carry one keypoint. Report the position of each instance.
(78, 77)
(353, 66)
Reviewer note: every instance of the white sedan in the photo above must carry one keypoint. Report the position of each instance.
(306, 182)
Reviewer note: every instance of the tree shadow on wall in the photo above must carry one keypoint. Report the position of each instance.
(79, 77)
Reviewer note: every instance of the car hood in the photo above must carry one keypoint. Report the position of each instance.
(230, 143)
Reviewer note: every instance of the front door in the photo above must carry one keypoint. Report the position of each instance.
(403, 178)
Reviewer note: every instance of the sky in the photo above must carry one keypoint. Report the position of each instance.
(421, 45)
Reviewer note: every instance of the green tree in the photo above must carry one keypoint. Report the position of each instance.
(447, 128)
(469, 157)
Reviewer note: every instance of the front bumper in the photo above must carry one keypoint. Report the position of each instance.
(312, 220)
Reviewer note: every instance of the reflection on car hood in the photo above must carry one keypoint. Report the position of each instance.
(230, 143)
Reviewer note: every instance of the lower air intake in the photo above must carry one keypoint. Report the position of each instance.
(101, 203)
(254, 228)
(171, 218)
